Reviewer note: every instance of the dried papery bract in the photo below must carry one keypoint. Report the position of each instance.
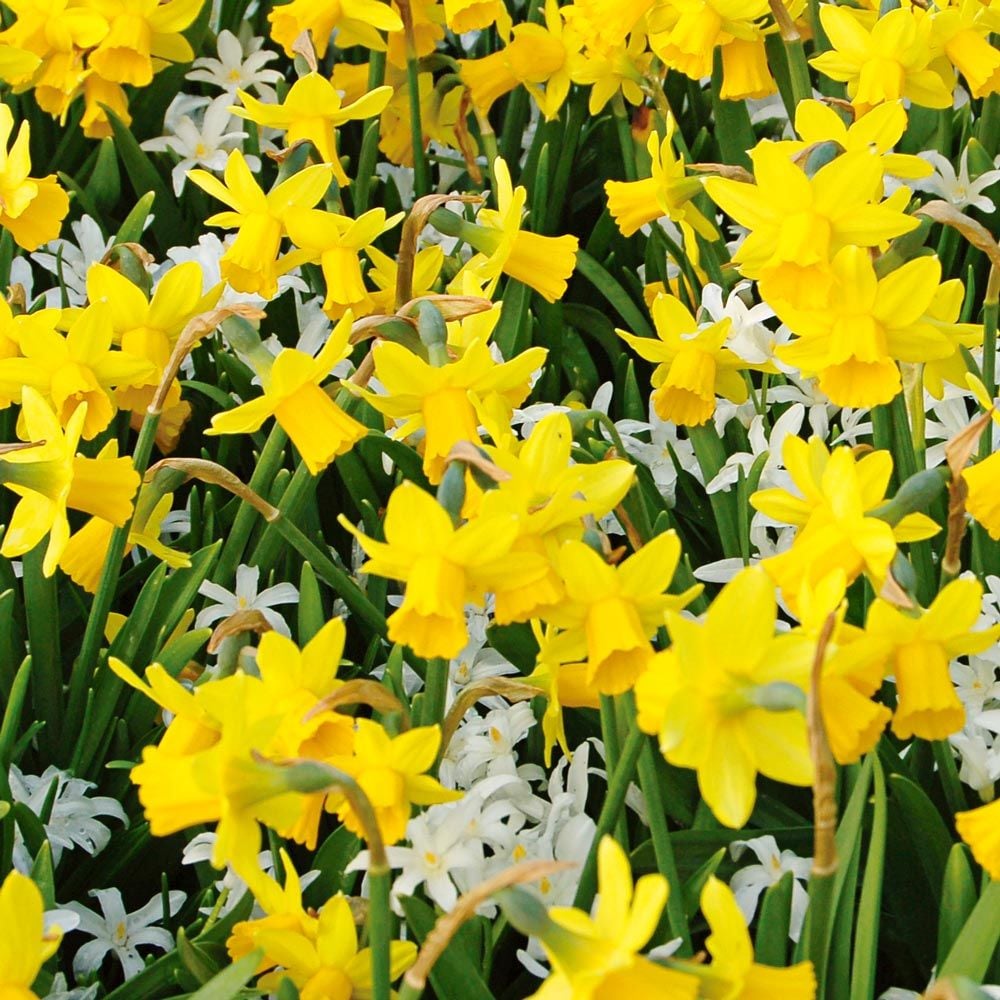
(415, 979)
(419, 216)
(215, 475)
(362, 692)
(505, 687)
(188, 340)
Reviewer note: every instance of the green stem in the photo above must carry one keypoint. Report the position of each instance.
(421, 170)
(988, 128)
(327, 570)
(268, 463)
(613, 803)
(380, 932)
(950, 782)
(711, 455)
(369, 144)
(268, 548)
(41, 601)
(86, 662)
(663, 849)
(624, 129)
(435, 693)
(612, 754)
(991, 312)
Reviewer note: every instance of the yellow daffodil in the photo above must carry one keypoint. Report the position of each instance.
(618, 608)
(251, 263)
(875, 133)
(668, 192)
(313, 109)
(318, 427)
(550, 497)
(31, 208)
(921, 649)
(474, 15)
(693, 363)
(609, 67)
(444, 568)
(442, 401)
(51, 477)
(853, 670)
(943, 314)
(797, 222)
(336, 242)
(427, 266)
(212, 763)
(560, 672)
(980, 829)
(733, 973)
(357, 22)
(318, 952)
(140, 33)
(15, 327)
(541, 57)
(838, 491)
(544, 263)
(962, 31)
(24, 945)
(597, 955)
(83, 558)
(982, 480)
(890, 60)
(718, 675)
(685, 35)
(867, 324)
(390, 771)
(78, 368)
(148, 329)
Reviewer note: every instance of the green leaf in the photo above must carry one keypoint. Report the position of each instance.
(10, 727)
(456, 972)
(694, 885)
(105, 183)
(311, 615)
(622, 302)
(228, 983)
(958, 898)
(973, 949)
(132, 228)
(771, 946)
(195, 959)
(924, 825)
(145, 178)
(867, 929)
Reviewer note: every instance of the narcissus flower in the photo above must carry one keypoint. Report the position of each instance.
(541, 57)
(962, 30)
(866, 325)
(875, 133)
(251, 263)
(444, 568)
(24, 945)
(391, 773)
(318, 952)
(550, 496)
(889, 61)
(357, 22)
(797, 222)
(597, 955)
(31, 208)
(733, 973)
(313, 109)
(838, 491)
(694, 365)
(667, 192)
(141, 32)
(983, 479)
(544, 263)
(336, 242)
(921, 647)
(442, 400)
(730, 695)
(618, 608)
(318, 427)
(51, 477)
(980, 829)
(78, 368)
